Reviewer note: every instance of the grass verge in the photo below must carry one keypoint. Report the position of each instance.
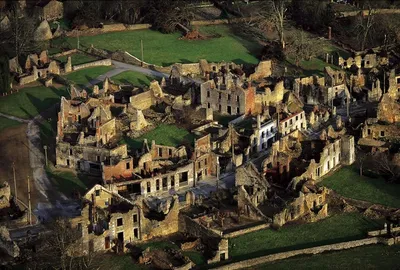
(7, 123)
(334, 229)
(348, 182)
(369, 257)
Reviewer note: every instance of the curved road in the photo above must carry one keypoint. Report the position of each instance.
(121, 67)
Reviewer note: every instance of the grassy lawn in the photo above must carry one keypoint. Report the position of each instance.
(368, 257)
(78, 58)
(7, 123)
(68, 182)
(84, 76)
(133, 78)
(168, 135)
(315, 66)
(166, 49)
(348, 182)
(29, 102)
(331, 230)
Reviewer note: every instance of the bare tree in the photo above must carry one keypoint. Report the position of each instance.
(20, 36)
(362, 159)
(385, 165)
(62, 249)
(278, 10)
(364, 25)
(301, 46)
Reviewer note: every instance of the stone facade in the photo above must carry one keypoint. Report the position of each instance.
(224, 99)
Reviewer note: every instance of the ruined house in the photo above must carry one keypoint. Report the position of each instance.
(227, 95)
(252, 190)
(369, 60)
(37, 66)
(108, 221)
(309, 203)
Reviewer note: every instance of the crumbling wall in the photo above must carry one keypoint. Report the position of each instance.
(5, 195)
(312, 204)
(142, 101)
(123, 169)
(263, 70)
(388, 110)
(169, 225)
(103, 62)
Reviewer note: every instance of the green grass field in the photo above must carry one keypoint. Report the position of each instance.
(7, 123)
(67, 182)
(132, 77)
(348, 182)
(29, 102)
(168, 135)
(78, 58)
(339, 228)
(368, 257)
(166, 49)
(84, 76)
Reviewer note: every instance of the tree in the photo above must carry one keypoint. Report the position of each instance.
(165, 15)
(4, 74)
(364, 26)
(21, 34)
(278, 10)
(387, 166)
(362, 160)
(311, 14)
(61, 249)
(302, 47)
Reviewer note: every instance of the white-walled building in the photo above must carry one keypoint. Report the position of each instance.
(264, 135)
(293, 122)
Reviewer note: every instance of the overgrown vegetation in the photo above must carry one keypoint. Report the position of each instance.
(168, 135)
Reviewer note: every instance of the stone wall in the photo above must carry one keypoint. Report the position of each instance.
(103, 62)
(246, 231)
(307, 251)
(73, 51)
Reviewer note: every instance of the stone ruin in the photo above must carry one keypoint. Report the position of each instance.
(6, 244)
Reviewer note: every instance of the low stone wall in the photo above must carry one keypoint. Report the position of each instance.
(103, 62)
(27, 79)
(307, 251)
(64, 53)
(246, 231)
(383, 232)
(108, 28)
(365, 12)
